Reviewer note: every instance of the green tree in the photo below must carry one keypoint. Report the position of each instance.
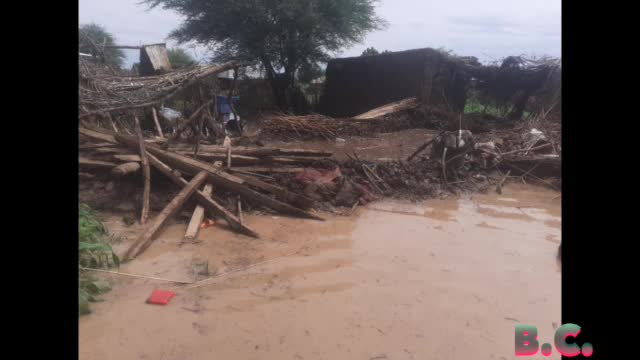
(309, 72)
(281, 35)
(94, 39)
(179, 58)
(370, 51)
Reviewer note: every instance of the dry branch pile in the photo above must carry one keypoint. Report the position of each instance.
(324, 127)
(105, 94)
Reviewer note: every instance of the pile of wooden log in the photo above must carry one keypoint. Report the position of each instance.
(232, 170)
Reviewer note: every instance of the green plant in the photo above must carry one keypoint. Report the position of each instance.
(94, 251)
(370, 51)
(179, 58)
(94, 39)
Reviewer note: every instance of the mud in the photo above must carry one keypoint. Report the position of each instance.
(440, 279)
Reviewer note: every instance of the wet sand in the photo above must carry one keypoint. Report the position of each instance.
(441, 279)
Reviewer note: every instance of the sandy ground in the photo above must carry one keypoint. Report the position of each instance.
(441, 279)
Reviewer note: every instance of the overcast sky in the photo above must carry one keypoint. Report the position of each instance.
(488, 29)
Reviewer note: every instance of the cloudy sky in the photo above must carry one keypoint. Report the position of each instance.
(488, 29)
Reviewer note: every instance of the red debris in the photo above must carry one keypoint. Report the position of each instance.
(160, 297)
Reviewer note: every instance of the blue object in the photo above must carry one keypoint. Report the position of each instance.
(223, 104)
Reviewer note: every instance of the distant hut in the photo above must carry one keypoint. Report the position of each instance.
(154, 60)
(357, 84)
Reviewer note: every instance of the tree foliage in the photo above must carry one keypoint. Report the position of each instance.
(370, 51)
(179, 58)
(94, 39)
(281, 35)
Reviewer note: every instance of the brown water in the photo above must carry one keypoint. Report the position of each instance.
(443, 279)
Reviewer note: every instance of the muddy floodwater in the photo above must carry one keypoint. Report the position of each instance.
(440, 279)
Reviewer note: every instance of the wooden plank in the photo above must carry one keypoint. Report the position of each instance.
(387, 109)
(148, 235)
(222, 179)
(204, 200)
(197, 217)
(146, 170)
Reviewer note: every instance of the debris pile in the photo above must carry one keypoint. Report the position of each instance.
(122, 155)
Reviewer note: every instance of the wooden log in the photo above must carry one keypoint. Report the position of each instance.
(97, 135)
(125, 169)
(254, 152)
(95, 164)
(148, 235)
(197, 217)
(244, 160)
(155, 120)
(223, 179)
(94, 146)
(259, 169)
(147, 173)
(204, 200)
(111, 150)
(127, 158)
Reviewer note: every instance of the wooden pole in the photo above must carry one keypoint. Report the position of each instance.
(230, 100)
(147, 236)
(113, 124)
(147, 174)
(203, 199)
(240, 210)
(197, 217)
(155, 119)
(234, 183)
